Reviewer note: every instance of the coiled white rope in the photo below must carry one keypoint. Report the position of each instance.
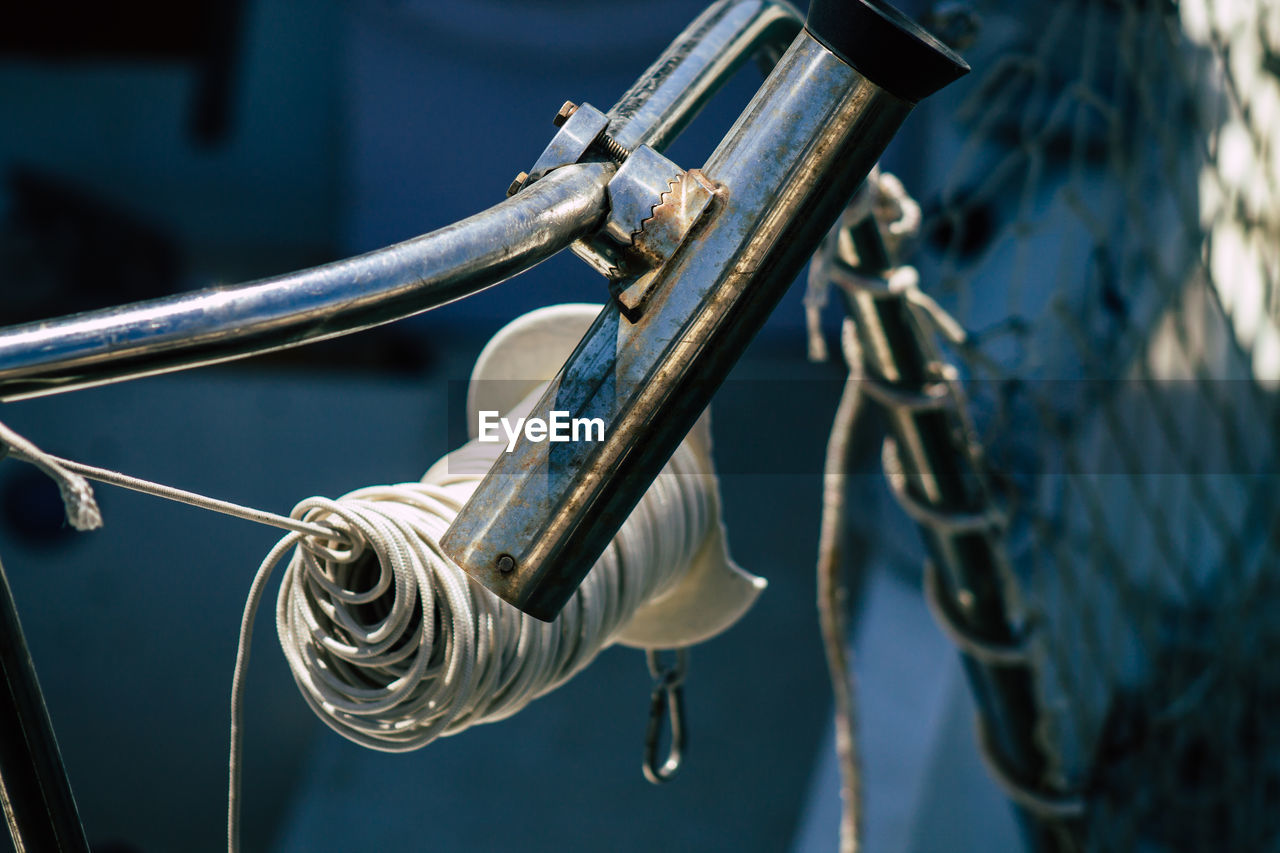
(392, 645)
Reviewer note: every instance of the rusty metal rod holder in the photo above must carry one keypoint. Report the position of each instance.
(545, 512)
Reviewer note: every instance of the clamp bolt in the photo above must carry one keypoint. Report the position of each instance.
(567, 110)
(604, 143)
(517, 184)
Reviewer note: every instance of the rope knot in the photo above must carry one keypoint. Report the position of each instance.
(77, 495)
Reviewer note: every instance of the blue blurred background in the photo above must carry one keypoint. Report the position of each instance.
(166, 148)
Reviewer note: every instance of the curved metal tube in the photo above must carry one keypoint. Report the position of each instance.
(235, 321)
(702, 58)
(229, 322)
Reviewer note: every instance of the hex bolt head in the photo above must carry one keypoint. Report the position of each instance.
(567, 110)
(517, 184)
(506, 564)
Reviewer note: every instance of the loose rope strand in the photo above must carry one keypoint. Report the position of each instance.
(833, 594)
(170, 493)
(82, 508)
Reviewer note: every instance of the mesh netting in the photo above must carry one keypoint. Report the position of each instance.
(1108, 230)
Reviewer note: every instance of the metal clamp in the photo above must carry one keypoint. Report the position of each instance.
(581, 128)
(653, 204)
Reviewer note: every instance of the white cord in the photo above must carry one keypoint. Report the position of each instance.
(833, 592)
(392, 645)
(82, 508)
(182, 496)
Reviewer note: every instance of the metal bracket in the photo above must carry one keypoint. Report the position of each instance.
(580, 127)
(653, 204)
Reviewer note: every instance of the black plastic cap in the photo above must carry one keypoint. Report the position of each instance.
(885, 46)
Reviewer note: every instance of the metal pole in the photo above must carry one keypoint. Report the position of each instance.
(34, 792)
(224, 323)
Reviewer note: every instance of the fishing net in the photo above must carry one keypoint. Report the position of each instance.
(1102, 216)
